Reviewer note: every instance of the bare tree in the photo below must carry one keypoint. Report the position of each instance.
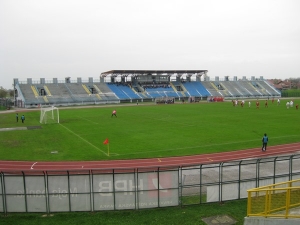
(295, 83)
(3, 93)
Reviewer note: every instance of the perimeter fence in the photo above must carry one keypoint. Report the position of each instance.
(139, 188)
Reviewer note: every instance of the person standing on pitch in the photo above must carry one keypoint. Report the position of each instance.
(17, 117)
(23, 118)
(265, 140)
(257, 104)
(114, 113)
(266, 104)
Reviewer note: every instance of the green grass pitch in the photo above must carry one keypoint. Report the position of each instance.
(147, 130)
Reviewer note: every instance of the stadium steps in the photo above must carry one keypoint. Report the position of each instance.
(47, 90)
(185, 91)
(245, 85)
(172, 85)
(138, 93)
(33, 88)
(215, 87)
(144, 94)
(132, 88)
(254, 88)
(264, 91)
(86, 89)
(45, 99)
(225, 88)
(227, 91)
(183, 88)
(174, 88)
(98, 89)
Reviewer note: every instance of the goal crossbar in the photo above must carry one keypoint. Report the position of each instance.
(49, 113)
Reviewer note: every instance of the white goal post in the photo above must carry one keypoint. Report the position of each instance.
(49, 115)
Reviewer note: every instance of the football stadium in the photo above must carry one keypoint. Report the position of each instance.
(176, 139)
(123, 86)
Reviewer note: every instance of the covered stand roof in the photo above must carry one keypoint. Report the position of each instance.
(115, 73)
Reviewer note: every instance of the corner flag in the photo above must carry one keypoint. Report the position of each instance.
(106, 141)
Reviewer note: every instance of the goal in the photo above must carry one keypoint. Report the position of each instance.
(49, 115)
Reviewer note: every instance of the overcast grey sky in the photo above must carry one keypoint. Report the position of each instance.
(82, 38)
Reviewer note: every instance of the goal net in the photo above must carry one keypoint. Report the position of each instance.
(49, 115)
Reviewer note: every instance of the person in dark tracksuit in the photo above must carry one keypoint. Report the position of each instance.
(23, 118)
(17, 117)
(265, 140)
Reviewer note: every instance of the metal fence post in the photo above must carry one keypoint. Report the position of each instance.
(70, 206)
(274, 171)
(239, 182)
(25, 193)
(220, 181)
(158, 187)
(257, 172)
(180, 184)
(91, 191)
(291, 167)
(114, 190)
(46, 193)
(48, 200)
(3, 194)
(200, 174)
(136, 191)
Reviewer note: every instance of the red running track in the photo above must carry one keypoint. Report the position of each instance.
(6, 166)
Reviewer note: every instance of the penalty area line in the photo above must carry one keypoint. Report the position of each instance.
(84, 140)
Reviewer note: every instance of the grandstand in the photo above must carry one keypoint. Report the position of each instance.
(118, 86)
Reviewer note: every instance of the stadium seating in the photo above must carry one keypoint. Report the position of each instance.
(196, 89)
(37, 94)
(123, 91)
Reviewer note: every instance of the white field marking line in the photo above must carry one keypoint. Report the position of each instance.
(174, 161)
(203, 146)
(113, 154)
(84, 140)
(87, 120)
(33, 165)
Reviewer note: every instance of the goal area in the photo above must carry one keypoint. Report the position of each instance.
(49, 115)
